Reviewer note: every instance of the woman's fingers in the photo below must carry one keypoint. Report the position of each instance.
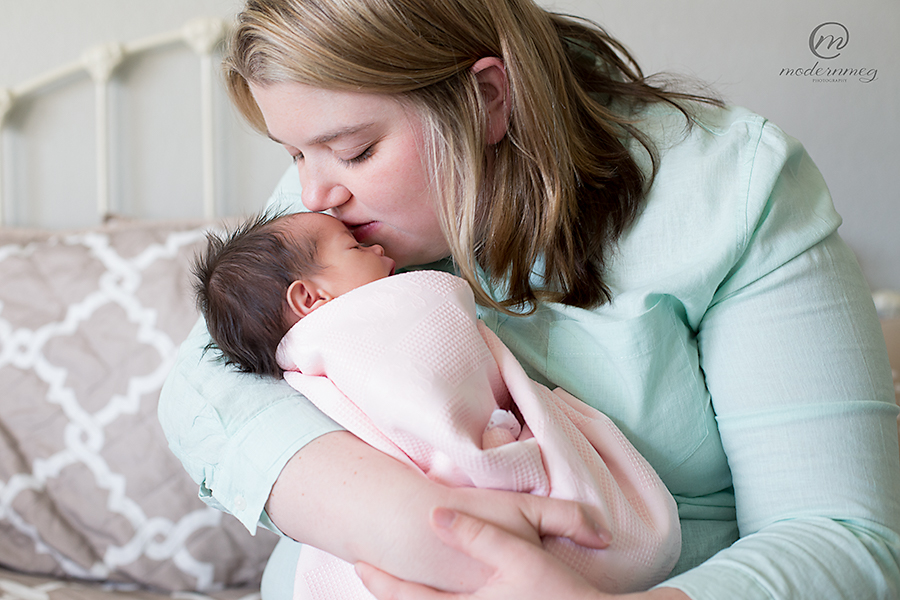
(582, 524)
(388, 587)
(521, 569)
(478, 539)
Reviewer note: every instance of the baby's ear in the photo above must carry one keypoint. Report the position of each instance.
(303, 297)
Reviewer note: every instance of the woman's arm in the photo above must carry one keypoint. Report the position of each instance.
(794, 360)
(796, 367)
(233, 432)
(369, 507)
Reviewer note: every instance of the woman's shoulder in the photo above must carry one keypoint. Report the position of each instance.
(726, 120)
(703, 169)
(713, 170)
(727, 165)
(723, 186)
(710, 130)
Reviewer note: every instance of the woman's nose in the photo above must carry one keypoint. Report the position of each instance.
(319, 194)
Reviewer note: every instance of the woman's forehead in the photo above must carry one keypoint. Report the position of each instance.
(296, 113)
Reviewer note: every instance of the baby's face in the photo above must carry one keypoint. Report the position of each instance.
(346, 264)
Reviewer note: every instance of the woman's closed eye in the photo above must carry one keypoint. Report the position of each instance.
(360, 157)
(365, 154)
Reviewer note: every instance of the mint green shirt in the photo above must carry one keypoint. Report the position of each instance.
(741, 355)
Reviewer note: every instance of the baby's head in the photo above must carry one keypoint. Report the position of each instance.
(256, 282)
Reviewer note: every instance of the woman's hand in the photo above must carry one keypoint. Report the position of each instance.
(520, 569)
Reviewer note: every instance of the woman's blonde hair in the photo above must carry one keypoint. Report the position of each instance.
(555, 192)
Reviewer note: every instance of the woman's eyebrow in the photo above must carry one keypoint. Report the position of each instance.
(328, 137)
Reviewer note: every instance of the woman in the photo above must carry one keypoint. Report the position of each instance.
(670, 261)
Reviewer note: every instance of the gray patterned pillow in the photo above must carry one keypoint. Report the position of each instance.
(89, 325)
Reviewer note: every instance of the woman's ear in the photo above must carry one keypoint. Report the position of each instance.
(303, 297)
(491, 76)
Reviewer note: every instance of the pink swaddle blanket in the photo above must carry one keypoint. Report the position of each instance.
(404, 364)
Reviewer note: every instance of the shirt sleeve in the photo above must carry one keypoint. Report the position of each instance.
(797, 370)
(235, 432)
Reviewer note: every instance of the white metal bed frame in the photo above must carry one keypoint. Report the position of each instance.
(202, 35)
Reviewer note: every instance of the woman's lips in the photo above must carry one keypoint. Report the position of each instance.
(363, 231)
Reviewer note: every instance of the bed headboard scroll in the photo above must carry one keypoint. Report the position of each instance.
(202, 35)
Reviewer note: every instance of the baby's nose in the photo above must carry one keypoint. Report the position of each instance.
(377, 249)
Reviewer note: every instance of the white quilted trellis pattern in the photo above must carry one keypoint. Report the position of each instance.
(89, 325)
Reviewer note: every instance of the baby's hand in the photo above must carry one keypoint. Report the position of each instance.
(503, 428)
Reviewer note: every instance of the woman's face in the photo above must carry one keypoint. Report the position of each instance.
(360, 159)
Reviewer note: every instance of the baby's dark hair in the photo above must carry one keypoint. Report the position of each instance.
(241, 285)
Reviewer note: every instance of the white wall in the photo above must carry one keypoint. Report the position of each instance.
(850, 127)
